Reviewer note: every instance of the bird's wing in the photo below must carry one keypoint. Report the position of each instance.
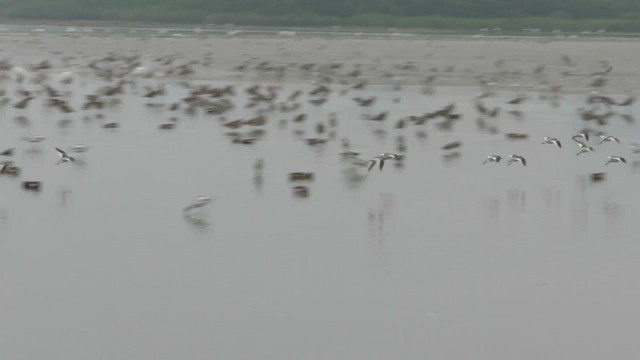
(371, 164)
(61, 152)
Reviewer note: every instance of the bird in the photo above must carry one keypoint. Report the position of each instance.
(8, 152)
(492, 158)
(4, 166)
(80, 148)
(582, 135)
(349, 154)
(612, 159)
(605, 138)
(550, 140)
(359, 162)
(381, 158)
(583, 148)
(199, 202)
(516, 158)
(567, 60)
(34, 138)
(64, 157)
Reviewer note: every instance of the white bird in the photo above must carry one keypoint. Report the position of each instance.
(516, 158)
(550, 140)
(381, 158)
(20, 73)
(492, 158)
(65, 77)
(582, 135)
(64, 157)
(139, 70)
(605, 138)
(199, 202)
(583, 148)
(618, 159)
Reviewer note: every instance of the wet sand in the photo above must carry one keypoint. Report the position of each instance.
(457, 60)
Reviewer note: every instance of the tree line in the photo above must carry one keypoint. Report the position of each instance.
(319, 12)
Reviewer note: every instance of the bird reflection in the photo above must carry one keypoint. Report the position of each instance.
(81, 163)
(492, 206)
(377, 217)
(197, 220)
(612, 210)
(354, 177)
(580, 212)
(63, 197)
(4, 215)
(258, 182)
(517, 200)
(258, 177)
(197, 212)
(552, 198)
(34, 150)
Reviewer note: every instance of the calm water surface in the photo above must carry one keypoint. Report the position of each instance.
(438, 259)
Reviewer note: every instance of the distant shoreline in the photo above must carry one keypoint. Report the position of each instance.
(456, 60)
(431, 24)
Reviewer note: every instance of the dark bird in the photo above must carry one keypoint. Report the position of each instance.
(23, 103)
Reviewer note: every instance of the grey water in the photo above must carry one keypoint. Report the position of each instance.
(441, 258)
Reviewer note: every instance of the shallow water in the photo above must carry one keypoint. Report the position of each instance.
(444, 259)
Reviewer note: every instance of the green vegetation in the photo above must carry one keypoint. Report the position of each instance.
(568, 15)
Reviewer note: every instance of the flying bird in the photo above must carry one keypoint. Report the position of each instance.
(584, 148)
(618, 159)
(492, 158)
(64, 157)
(550, 140)
(605, 138)
(381, 158)
(516, 158)
(582, 135)
(198, 202)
